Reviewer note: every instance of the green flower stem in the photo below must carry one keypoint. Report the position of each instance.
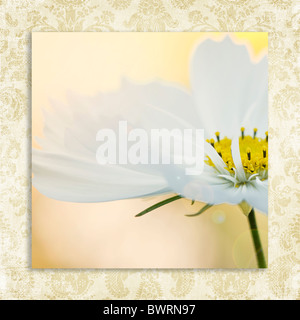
(256, 240)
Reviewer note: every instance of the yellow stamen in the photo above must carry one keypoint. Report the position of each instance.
(243, 132)
(254, 132)
(264, 151)
(249, 153)
(253, 150)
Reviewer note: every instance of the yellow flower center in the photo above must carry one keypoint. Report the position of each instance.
(253, 150)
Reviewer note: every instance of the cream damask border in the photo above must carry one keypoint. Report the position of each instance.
(18, 18)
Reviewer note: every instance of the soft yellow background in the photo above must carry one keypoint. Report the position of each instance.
(19, 18)
(107, 235)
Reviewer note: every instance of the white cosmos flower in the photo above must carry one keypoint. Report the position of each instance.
(228, 92)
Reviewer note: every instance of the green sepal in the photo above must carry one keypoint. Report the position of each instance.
(207, 206)
(245, 207)
(159, 204)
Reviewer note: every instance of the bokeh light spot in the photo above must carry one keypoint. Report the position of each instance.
(218, 217)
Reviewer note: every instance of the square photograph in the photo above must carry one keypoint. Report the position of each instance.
(149, 150)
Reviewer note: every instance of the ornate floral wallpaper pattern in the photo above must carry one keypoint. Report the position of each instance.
(18, 18)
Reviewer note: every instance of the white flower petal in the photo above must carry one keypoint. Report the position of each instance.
(215, 194)
(157, 105)
(66, 178)
(257, 114)
(67, 169)
(207, 187)
(215, 158)
(226, 83)
(257, 195)
(236, 156)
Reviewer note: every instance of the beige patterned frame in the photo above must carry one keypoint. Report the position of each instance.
(18, 18)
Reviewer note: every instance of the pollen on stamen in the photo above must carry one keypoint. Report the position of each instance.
(243, 132)
(254, 132)
(251, 168)
(248, 153)
(212, 142)
(218, 135)
(264, 152)
(266, 136)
